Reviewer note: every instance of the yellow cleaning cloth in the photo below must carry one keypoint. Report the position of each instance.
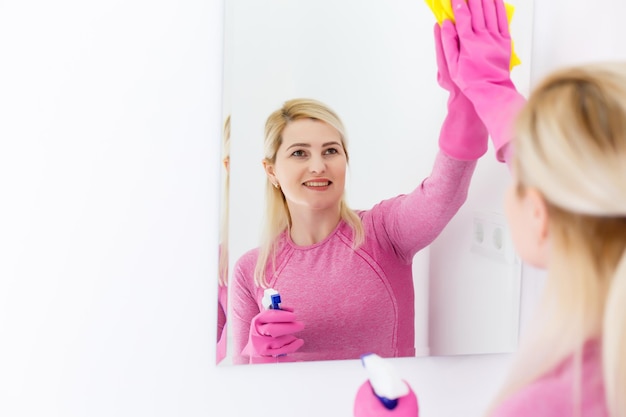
(442, 10)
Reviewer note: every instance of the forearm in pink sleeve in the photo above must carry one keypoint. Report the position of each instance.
(417, 218)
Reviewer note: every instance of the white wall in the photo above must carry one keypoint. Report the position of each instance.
(108, 219)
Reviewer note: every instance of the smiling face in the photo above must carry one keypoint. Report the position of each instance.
(310, 166)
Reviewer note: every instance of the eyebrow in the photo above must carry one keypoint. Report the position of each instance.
(308, 145)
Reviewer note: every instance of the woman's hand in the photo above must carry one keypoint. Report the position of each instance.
(478, 48)
(271, 335)
(477, 51)
(463, 135)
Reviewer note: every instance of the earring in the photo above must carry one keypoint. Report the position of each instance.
(275, 184)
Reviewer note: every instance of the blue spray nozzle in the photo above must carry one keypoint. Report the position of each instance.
(386, 384)
(275, 298)
(271, 299)
(388, 403)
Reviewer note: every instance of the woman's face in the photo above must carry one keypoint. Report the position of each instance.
(310, 165)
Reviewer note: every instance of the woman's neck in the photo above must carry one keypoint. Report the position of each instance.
(310, 227)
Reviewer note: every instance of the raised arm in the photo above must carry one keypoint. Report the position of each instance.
(411, 222)
(477, 50)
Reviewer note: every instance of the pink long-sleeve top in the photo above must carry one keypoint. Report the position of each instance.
(222, 308)
(355, 301)
(553, 394)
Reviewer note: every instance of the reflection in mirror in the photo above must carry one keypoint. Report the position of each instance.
(373, 64)
(222, 288)
(347, 274)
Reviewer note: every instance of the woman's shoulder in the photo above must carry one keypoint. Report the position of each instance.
(542, 398)
(248, 259)
(551, 395)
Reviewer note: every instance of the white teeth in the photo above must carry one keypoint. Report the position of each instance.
(316, 184)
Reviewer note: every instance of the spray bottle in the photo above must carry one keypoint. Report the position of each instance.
(385, 393)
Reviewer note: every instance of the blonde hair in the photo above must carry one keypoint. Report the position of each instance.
(278, 219)
(571, 146)
(223, 254)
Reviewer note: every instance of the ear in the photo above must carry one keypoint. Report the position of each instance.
(269, 171)
(226, 163)
(538, 218)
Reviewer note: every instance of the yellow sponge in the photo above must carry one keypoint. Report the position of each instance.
(442, 9)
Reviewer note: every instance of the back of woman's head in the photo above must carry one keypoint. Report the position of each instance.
(571, 140)
(571, 146)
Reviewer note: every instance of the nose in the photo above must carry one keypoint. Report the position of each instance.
(317, 164)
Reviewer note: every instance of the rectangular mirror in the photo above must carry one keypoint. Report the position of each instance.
(373, 62)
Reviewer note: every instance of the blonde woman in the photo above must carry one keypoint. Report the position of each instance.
(222, 288)
(567, 210)
(346, 274)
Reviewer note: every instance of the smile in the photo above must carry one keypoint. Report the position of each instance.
(317, 183)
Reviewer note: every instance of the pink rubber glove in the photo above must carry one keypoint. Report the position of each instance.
(478, 53)
(463, 135)
(367, 404)
(271, 335)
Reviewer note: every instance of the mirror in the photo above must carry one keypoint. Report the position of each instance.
(373, 62)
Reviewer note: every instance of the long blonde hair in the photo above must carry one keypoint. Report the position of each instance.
(223, 255)
(571, 146)
(278, 219)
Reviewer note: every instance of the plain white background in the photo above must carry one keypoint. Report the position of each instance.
(109, 137)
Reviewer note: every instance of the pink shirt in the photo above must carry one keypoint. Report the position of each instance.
(553, 394)
(355, 301)
(222, 300)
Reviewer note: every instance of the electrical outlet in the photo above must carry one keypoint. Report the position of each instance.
(490, 237)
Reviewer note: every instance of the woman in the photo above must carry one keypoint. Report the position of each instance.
(567, 210)
(222, 285)
(346, 273)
